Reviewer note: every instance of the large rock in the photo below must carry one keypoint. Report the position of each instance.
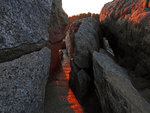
(23, 81)
(23, 27)
(58, 22)
(129, 23)
(82, 39)
(114, 88)
(80, 83)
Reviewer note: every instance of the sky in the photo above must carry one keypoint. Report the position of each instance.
(74, 7)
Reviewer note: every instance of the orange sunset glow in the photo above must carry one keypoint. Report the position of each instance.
(74, 7)
(74, 104)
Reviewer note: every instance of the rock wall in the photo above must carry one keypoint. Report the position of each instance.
(24, 53)
(23, 81)
(114, 88)
(83, 37)
(126, 25)
(58, 22)
(129, 23)
(23, 27)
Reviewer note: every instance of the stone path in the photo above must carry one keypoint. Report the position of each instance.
(59, 97)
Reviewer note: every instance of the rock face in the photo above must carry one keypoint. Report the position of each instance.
(129, 23)
(23, 82)
(114, 89)
(58, 22)
(81, 40)
(80, 82)
(24, 58)
(23, 27)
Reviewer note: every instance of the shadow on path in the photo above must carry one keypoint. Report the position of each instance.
(59, 97)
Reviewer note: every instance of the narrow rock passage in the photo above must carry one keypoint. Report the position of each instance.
(59, 97)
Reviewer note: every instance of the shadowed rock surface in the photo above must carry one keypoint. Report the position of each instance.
(56, 29)
(125, 23)
(82, 39)
(127, 26)
(114, 89)
(128, 21)
(24, 64)
(31, 34)
(23, 81)
(58, 21)
(23, 27)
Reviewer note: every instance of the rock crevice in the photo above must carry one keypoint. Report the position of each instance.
(25, 54)
(129, 27)
(125, 23)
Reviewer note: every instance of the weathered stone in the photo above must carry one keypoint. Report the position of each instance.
(80, 83)
(107, 47)
(73, 76)
(23, 81)
(69, 39)
(55, 57)
(84, 82)
(146, 94)
(82, 39)
(114, 89)
(129, 23)
(58, 22)
(23, 27)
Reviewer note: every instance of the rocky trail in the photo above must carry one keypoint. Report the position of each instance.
(108, 65)
(59, 97)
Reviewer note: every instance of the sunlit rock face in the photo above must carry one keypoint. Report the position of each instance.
(56, 29)
(134, 11)
(114, 88)
(129, 23)
(24, 57)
